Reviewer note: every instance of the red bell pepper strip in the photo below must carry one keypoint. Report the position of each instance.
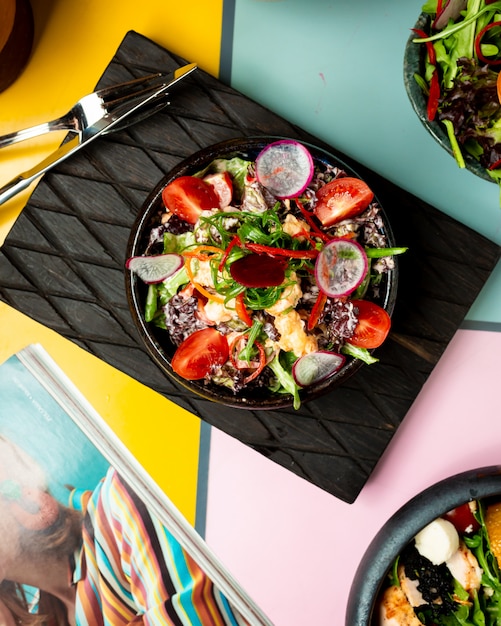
(306, 235)
(296, 254)
(241, 310)
(429, 46)
(434, 93)
(478, 45)
(234, 242)
(495, 165)
(317, 309)
(309, 220)
(262, 363)
(262, 357)
(433, 96)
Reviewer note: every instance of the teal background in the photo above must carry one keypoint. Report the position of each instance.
(335, 68)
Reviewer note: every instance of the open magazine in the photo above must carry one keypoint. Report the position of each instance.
(46, 418)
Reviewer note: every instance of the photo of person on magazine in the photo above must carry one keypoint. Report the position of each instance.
(86, 535)
(110, 563)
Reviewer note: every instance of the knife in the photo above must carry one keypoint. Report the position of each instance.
(104, 125)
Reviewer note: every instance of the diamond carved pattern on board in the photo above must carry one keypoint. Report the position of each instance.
(63, 265)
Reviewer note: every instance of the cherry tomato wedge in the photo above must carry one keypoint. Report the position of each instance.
(223, 187)
(188, 196)
(373, 325)
(463, 519)
(342, 198)
(259, 270)
(199, 352)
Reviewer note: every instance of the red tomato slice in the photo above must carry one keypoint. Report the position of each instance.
(373, 325)
(342, 198)
(199, 352)
(223, 187)
(188, 196)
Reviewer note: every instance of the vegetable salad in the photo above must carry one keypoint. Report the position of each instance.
(257, 290)
(463, 56)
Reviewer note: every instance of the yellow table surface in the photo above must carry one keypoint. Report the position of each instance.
(74, 42)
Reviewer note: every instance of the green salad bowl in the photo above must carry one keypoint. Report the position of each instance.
(414, 63)
(157, 341)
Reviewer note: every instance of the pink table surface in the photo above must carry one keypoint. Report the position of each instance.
(294, 547)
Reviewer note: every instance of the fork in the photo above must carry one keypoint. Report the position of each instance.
(88, 110)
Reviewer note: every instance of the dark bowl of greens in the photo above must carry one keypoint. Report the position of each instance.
(451, 66)
(239, 317)
(435, 561)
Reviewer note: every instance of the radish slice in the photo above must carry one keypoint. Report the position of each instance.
(316, 366)
(155, 268)
(451, 11)
(284, 167)
(340, 267)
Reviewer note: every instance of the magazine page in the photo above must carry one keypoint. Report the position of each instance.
(58, 456)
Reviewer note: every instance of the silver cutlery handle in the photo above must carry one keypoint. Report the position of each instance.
(26, 133)
(12, 188)
(26, 178)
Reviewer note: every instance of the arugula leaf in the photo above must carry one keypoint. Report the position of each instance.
(150, 308)
(430, 7)
(359, 353)
(246, 353)
(285, 379)
(178, 243)
(168, 288)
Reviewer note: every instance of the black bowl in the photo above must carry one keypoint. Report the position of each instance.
(414, 61)
(157, 341)
(401, 528)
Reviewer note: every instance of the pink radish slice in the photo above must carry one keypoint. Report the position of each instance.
(316, 366)
(340, 267)
(452, 10)
(285, 168)
(155, 268)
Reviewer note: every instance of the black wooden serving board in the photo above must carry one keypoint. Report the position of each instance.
(63, 265)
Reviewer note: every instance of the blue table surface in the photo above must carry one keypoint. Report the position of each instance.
(335, 68)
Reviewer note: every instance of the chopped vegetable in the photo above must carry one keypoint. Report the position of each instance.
(241, 309)
(340, 267)
(317, 309)
(373, 325)
(285, 167)
(317, 366)
(223, 186)
(342, 198)
(156, 268)
(240, 358)
(434, 89)
(200, 353)
(450, 11)
(188, 196)
(258, 270)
